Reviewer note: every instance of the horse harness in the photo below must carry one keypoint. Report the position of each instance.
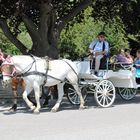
(27, 73)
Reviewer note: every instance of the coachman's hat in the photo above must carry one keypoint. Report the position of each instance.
(102, 33)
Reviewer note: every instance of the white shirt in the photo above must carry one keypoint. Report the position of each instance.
(99, 46)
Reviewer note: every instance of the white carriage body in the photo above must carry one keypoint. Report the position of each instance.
(106, 84)
(121, 78)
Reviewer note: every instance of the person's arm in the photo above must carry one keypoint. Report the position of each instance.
(131, 59)
(135, 64)
(91, 49)
(138, 65)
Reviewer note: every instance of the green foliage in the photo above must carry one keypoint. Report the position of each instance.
(7, 46)
(24, 37)
(116, 35)
(75, 39)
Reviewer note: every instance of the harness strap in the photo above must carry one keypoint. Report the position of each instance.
(31, 65)
(33, 60)
(70, 67)
(47, 62)
(33, 73)
(38, 73)
(55, 78)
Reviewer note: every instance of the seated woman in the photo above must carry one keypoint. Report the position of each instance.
(137, 66)
(128, 56)
(121, 57)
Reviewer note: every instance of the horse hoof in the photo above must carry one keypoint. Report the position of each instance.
(82, 107)
(53, 110)
(12, 110)
(32, 108)
(36, 112)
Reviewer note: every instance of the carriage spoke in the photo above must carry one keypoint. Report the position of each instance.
(103, 100)
(72, 93)
(100, 96)
(100, 89)
(78, 99)
(122, 90)
(108, 86)
(127, 93)
(105, 93)
(100, 92)
(110, 94)
(103, 86)
(73, 97)
(111, 89)
(109, 98)
(132, 91)
(71, 89)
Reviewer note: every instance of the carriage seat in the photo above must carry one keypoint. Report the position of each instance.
(120, 66)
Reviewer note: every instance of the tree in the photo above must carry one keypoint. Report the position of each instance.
(43, 19)
(75, 39)
(128, 11)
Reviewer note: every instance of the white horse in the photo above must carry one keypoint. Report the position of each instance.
(37, 71)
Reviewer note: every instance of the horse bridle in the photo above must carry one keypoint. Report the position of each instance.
(8, 62)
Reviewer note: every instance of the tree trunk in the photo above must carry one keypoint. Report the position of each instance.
(44, 48)
(46, 40)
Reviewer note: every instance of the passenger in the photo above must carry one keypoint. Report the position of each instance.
(128, 56)
(137, 66)
(121, 57)
(99, 48)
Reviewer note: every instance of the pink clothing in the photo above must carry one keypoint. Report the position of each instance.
(122, 58)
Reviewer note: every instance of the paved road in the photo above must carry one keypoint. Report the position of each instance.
(120, 122)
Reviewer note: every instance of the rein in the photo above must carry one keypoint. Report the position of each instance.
(40, 74)
(31, 65)
(28, 72)
(71, 67)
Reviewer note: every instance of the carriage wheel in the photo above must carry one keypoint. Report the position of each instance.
(127, 93)
(105, 93)
(72, 95)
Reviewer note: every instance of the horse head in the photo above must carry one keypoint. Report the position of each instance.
(7, 70)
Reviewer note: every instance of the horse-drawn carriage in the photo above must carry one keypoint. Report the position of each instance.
(115, 78)
(40, 71)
